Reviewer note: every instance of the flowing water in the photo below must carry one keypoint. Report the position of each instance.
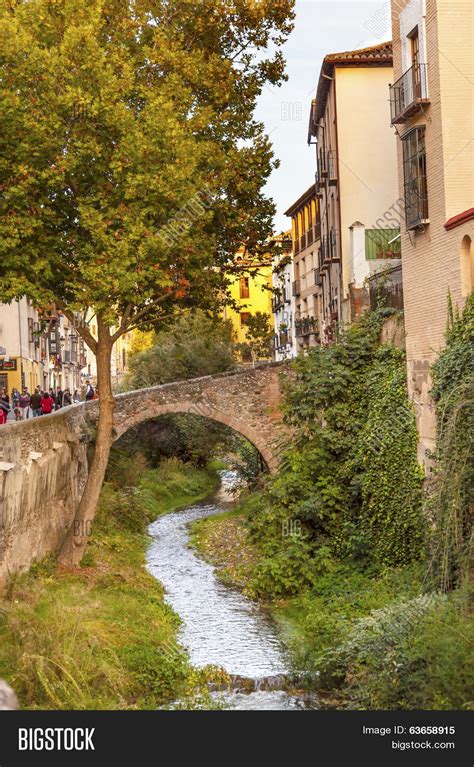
(220, 626)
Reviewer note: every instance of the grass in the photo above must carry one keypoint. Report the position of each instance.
(102, 636)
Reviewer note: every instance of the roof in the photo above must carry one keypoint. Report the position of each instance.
(306, 197)
(461, 218)
(375, 56)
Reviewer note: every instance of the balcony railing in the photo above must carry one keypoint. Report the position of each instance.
(283, 338)
(296, 288)
(416, 202)
(408, 92)
(332, 167)
(333, 245)
(278, 301)
(322, 167)
(306, 326)
(324, 252)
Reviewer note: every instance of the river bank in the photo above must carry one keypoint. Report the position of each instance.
(370, 638)
(103, 637)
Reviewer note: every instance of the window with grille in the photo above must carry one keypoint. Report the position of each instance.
(415, 181)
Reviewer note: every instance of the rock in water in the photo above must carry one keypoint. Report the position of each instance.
(8, 699)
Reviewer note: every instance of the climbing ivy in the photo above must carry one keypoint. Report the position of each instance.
(450, 502)
(351, 484)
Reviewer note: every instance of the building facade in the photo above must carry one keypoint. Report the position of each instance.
(356, 180)
(38, 349)
(306, 290)
(431, 101)
(250, 290)
(283, 302)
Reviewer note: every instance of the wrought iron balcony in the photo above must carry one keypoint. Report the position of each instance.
(324, 257)
(332, 167)
(305, 326)
(416, 203)
(408, 93)
(333, 245)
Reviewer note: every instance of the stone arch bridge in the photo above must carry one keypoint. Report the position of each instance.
(43, 461)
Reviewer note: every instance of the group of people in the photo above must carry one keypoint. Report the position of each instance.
(42, 402)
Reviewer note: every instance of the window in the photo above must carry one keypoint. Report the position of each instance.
(244, 318)
(30, 331)
(244, 287)
(415, 62)
(414, 173)
(382, 243)
(467, 266)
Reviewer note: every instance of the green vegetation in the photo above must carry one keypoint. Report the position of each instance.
(350, 484)
(258, 337)
(101, 636)
(450, 504)
(336, 544)
(193, 346)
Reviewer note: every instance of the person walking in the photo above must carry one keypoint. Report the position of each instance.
(47, 403)
(35, 402)
(24, 404)
(15, 397)
(59, 398)
(67, 399)
(4, 405)
(89, 391)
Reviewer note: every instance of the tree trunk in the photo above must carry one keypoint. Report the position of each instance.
(77, 536)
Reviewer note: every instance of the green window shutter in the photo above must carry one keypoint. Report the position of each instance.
(377, 244)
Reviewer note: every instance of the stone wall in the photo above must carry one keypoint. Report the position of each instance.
(43, 469)
(43, 461)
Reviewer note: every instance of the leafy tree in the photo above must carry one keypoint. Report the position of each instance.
(194, 345)
(258, 337)
(131, 164)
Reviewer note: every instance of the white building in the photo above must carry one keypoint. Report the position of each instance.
(283, 303)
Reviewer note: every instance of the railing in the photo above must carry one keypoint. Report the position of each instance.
(322, 167)
(332, 167)
(333, 245)
(306, 326)
(324, 257)
(408, 92)
(278, 301)
(296, 287)
(416, 202)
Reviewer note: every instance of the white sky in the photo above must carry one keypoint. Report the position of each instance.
(321, 27)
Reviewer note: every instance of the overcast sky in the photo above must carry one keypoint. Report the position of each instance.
(320, 28)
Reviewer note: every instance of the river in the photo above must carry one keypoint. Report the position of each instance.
(220, 626)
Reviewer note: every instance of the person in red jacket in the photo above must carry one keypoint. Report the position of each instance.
(47, 403)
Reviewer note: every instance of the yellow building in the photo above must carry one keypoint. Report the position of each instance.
(251, 291)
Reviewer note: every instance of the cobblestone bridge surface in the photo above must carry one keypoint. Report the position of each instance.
(43, 461)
